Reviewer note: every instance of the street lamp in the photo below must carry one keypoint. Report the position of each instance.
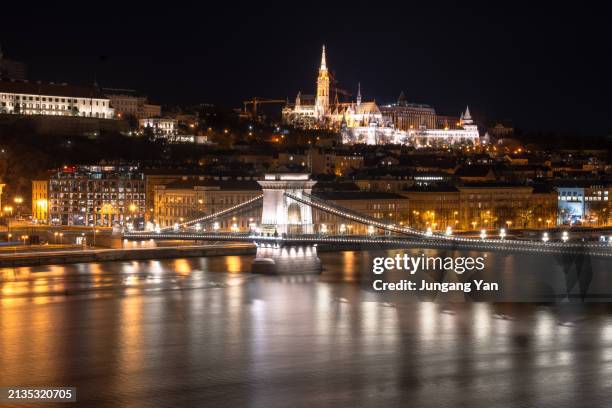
(449, 231)
(502, 233)
(429, 232)
(216, 226)
(483, 234)
(565, 236)
(342, 228)
(545, 237)
(323, 229)
(370, 230)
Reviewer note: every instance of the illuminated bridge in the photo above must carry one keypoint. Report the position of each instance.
(286, 235)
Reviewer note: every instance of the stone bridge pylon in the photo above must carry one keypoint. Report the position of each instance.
(284, 215)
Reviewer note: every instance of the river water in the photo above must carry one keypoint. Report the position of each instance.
(206, 332)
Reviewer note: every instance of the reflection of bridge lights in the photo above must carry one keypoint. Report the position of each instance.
(502, 233)
(565, 236)
(449, 231)
(545, 237)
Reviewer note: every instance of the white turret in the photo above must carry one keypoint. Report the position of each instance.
(466, 117)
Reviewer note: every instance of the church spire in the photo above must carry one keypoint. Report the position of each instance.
(467, 117)
(323, 60)
(358, 93)
(322, 100)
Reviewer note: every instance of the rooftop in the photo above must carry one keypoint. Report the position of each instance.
(49, 89)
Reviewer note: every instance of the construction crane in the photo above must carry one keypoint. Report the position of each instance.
(257, 101)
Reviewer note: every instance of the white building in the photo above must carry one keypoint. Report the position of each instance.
(161, 127)
(373, 134)
(37, 98)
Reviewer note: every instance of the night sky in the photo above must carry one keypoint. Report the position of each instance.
(542, 67)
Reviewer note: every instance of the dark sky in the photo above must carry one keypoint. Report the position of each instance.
(542, 66)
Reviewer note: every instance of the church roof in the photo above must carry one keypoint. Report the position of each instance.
(367, 108)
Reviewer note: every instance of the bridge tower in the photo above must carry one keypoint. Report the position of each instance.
(283, 215)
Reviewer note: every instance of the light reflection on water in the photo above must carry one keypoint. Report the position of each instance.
(204, 330)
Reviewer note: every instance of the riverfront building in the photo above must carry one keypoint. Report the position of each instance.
(96, 196)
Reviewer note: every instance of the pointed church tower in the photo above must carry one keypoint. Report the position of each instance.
(359, 94)
(466, 117)
(322, 101)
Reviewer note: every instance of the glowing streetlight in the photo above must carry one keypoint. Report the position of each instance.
(234, 227)
(342, 228)
(429, 232)
(565, 236)
(502, 233)
(198, 227)
(323, 228)
(370, 230)
(483, 234)
(449, 231)
(545, 237)
(216, 226)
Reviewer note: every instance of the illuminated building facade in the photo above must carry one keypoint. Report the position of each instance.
(96, 195)
(366, 123)
(584, 204)
(465, 134)
(34, 98)
(481, 206)
(161, 127)
(40, 201)
(318, 111)
(183, 200)
(128, 102)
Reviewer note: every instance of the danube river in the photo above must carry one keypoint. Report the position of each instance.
(206, 332)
